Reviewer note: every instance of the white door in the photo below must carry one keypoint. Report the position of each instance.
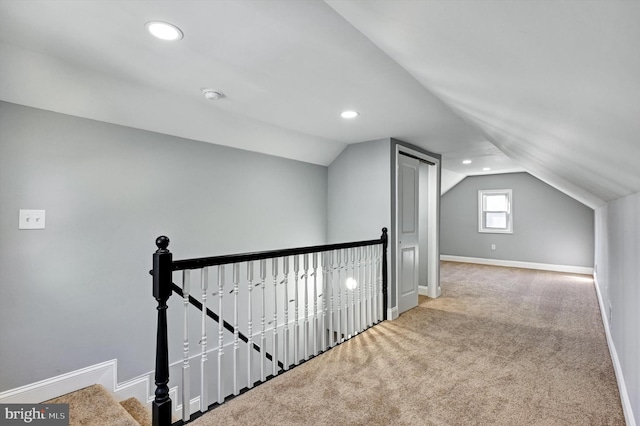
(408, 169)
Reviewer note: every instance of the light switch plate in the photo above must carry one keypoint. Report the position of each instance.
(31, 219)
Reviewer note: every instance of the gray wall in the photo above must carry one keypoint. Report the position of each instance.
(548, 226)
(617, 266)
(359, 203)
(78, 293)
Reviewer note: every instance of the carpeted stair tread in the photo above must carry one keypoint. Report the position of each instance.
(137, 411)
(93, 406)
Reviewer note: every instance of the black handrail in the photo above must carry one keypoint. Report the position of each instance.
(203, 262)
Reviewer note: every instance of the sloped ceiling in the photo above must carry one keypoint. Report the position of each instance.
(553, 84)
(550, 87)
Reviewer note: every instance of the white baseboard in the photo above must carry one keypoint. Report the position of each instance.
(59, 385)
(104, 373)
(392, 313)
(517, 264)
(622, 387)
(423, 290)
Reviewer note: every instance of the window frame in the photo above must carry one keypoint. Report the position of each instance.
(482, 193)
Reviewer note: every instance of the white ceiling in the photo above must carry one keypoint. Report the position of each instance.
(550, 87)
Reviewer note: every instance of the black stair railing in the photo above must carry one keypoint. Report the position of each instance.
(162, 267)
(344, 292)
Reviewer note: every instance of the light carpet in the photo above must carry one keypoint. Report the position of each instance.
(501, 346)
(94, 406)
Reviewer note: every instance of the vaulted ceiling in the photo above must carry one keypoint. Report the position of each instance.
(550, 87)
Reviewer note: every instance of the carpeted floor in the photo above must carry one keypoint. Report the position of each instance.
(501, 346)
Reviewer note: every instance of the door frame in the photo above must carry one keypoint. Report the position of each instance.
(433, 288)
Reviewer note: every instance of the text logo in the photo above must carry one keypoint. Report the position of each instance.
(34, 414)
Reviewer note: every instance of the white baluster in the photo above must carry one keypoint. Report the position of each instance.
(343, 287)
(285, 343)
(186, 386)
(325, 292)
(369, 269)
(296, 330)
(362, 273)
(250, 324)
(346, 293)
(347, 304)
(315, 303)
(339, 318)
(376, 263)
(305, 326)
(331, 271)
(374, 318)
(354, 293)
(274, 352)
(263, 339)
(374, 281)
(204, 388)
(359, 279)
(379, 286)
(220, 334)
(236, 343)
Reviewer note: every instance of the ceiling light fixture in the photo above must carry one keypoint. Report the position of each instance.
(486, 169)
(164, 30)
(466, 162)
(349, 114)
(212, 95)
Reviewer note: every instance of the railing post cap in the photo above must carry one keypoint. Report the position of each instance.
(384, 230)
(162, 243)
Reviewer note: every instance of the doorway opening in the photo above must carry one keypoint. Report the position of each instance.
(415, 240)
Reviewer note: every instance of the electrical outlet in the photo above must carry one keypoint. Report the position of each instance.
(493, 246)
(31, 219)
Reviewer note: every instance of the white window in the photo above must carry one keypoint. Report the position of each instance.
(494, 211)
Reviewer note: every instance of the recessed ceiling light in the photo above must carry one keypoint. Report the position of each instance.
(349, 114)
(486, 169)
(466, 162)
(164, 31)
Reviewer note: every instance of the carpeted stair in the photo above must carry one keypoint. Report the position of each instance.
(94, 405)
(138, 411)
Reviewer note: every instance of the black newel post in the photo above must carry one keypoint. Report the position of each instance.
(385, 245)
(162, 267)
